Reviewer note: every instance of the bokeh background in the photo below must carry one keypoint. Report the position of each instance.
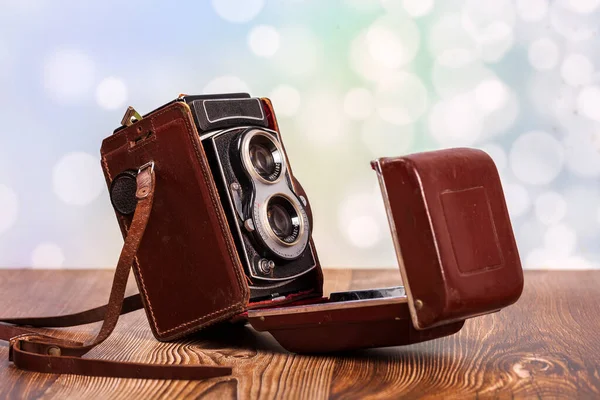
(351, 80)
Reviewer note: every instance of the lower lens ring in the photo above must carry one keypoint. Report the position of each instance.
(279, 247)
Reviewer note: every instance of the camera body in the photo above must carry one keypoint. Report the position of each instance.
(268, 219)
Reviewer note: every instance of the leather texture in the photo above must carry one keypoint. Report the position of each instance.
(454, 240)
(32, 351)
(187, 267)
(342, 329)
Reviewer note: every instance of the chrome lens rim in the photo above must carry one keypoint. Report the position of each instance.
(299, 217)
(276, 153)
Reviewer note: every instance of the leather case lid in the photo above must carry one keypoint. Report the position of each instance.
(187, 267)
(452, 233)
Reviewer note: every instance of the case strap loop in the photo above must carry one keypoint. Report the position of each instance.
(33, 351)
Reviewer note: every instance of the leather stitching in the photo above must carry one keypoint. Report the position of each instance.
(152, 139)
(204, 166)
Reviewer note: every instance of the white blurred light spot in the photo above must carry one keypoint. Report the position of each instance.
(264, 40)
(548, 258)
(541, 88)
(319, 127)
(571, 24)
(491, 95)
(478, 14)
(77, 178)
(363, 232)
(362, 62)
(401, 98)
(543, 54)
(358, 103)
(532, 10)
(450, 43)
(47, 255)
(111, 93)
(286, 100)
(550, 208)
(582, 153)
(455, 58)
(361, 217)
(501, 119)
(450, 80)
(536, 158)
(588, 102)
(226, 84)
(583, 6)
(417, 8)
(384, 139)
(495, 41)
(490, 24)
(391, 44)
(563, 109)
(583, 198)
(360, 203)
(68, 75)
(497, 153)
(388, 43)
(456, 121)
(577, 69)
(9, 208)
(561, 238)
(517, 199)
(237, 11)
(529, 234)
(299, 51)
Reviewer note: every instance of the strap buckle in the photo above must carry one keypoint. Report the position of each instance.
(149, 164)
(16, 341)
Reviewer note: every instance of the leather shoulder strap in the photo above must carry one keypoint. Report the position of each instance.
(41, 353)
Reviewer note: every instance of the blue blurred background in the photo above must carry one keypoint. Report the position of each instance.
(351, 80)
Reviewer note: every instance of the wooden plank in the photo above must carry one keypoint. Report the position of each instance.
(547, 345)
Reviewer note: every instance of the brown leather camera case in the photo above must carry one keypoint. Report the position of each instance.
(452, 233)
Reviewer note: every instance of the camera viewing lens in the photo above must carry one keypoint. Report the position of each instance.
(265, 157)
(283, 219)
(262, 160)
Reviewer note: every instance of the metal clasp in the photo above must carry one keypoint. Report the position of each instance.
(149, 164)
(131, 116)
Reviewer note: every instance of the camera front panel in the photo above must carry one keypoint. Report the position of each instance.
(269, 221)
(268, 216)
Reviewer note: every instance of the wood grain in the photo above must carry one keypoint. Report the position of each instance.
(545, 346)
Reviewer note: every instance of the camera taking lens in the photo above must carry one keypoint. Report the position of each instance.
(284, 220)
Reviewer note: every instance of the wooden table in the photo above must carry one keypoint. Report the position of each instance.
(547, 345)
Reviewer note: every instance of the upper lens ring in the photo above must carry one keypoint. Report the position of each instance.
(262, 156)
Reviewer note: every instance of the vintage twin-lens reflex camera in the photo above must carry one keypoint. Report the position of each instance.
(229, 234)
(267, 217)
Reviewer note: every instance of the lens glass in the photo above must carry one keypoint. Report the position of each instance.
(283, 218)
(265, 157)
